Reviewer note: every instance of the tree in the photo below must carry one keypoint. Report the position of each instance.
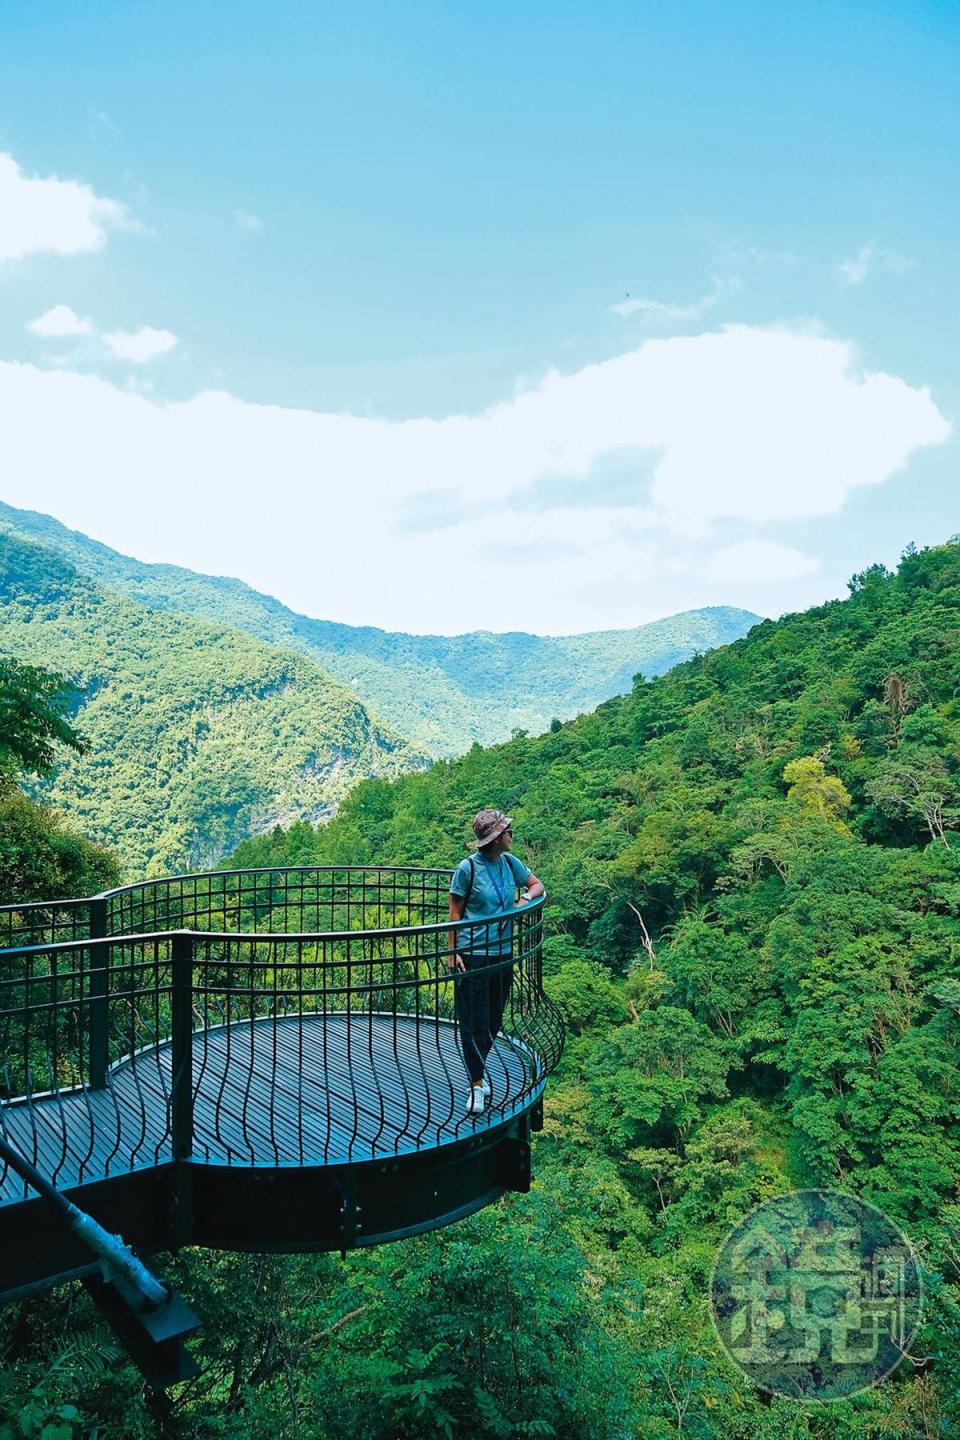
(650, 1078)
(586, 995)
(898, 700)
(813, 790)
(34, 704)
(917, 783)
(716, 975)
(41, 857)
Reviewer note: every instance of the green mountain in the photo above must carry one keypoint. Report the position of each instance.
(441, 693)
(199, 735)
(753, 867)
(753, 872)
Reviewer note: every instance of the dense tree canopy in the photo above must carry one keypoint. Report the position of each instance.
(753, 869)
(758, 851)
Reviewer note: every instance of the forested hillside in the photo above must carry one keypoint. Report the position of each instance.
(198, 735)
(441, 693)
(753, 866)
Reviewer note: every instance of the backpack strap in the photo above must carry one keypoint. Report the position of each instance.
(466, 898)
(510, 864)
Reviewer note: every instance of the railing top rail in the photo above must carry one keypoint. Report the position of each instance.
(24, 905)
(190, 875)
(286, 936)
(275, 870)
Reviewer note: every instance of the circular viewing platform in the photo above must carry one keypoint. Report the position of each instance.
(263, 1060)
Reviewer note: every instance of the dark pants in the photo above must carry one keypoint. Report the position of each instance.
(481, 998)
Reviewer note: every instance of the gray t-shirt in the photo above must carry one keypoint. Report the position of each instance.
(494, 890)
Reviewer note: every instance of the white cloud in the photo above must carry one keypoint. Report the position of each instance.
(135, 346)
(246, 220)
(759, 562)
(665, 310)
(58, 322)
(63, 217)
(745, 426)
(139, 346)
(870, 258)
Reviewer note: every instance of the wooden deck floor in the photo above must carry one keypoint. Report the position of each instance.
(301, 1090)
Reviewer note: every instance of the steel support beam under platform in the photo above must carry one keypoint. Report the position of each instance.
(257, 1208)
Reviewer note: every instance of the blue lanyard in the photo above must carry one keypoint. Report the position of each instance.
(501, 893)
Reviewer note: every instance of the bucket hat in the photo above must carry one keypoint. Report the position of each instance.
(487, 825)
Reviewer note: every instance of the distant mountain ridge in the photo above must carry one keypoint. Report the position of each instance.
(200, 735)
(440, 693)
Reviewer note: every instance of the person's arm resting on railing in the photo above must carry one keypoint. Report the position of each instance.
(532, 890)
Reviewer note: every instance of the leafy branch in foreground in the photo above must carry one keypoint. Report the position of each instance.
(34, 705)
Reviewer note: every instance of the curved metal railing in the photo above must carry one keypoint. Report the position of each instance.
(261, 1017)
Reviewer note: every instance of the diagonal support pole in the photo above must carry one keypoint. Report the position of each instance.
(149, 1319)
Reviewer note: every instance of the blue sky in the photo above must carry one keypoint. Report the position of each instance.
(414, 213)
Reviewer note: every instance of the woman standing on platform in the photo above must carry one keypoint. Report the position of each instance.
(482, 885)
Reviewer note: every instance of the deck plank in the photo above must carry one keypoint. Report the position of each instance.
(297, 1089)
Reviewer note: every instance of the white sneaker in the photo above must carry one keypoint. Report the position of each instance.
(487, 1087)
(476, 1100)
